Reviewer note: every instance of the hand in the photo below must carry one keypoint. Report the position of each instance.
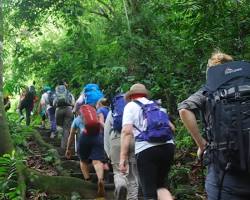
(68, 154)
(200, 153)
(123, 166)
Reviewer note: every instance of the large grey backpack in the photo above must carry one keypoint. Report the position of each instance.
(62, 97)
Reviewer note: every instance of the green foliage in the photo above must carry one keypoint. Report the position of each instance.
(50, 157)
(183, 138)
(166, 48)
(9, 187)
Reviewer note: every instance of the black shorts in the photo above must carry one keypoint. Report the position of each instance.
(91, 147)
(153, 167)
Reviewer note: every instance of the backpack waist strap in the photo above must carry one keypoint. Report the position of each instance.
(222, 145)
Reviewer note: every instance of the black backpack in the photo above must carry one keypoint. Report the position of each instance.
(228, 129)
(28, 99)
(32, 90)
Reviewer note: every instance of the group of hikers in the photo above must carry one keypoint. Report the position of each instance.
(136, 133)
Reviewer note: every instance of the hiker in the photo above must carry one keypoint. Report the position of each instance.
(46, 107)
(80, 101)
(102, 109)
(32, 90)
(154, 146)
(63, 102)
(6, 101)
(223, 105)
(126, 185)
(26, 102)
(90, 142)
(42, 112)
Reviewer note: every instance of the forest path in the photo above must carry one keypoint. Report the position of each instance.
(72, 166)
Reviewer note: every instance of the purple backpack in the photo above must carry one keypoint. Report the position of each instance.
(158, 129)
(118, 104)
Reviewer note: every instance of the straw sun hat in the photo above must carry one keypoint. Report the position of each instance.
(137, 88)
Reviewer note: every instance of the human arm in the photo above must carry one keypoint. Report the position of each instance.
(187, 108)
(189, 120)
(101, 119)
(126, 136)
(78, 103)
(68, 152)
(171, 126)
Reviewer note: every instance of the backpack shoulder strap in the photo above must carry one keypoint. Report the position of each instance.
(139, 103)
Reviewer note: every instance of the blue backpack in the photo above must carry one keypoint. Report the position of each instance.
(104, 110)
(118, 104)
(158, 129)
(92, 94)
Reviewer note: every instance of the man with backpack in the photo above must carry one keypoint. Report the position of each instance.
(32, 91)
(146, 122)
(46, 104)
(90, 141)
(126, 185)
(63, 102)
(224, 105)
(26, 102)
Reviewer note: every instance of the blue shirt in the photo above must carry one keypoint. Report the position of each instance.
(78, 124)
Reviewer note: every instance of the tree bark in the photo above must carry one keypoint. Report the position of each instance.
(5, 142)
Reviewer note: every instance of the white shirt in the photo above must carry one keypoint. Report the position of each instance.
(133, 115)
(45, 101)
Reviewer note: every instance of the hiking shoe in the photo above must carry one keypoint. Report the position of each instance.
(52, 135)
(101, 189)
(121, 193)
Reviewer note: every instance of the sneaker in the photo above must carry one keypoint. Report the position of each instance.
(101, 189)
(121, 193)
(52, 135)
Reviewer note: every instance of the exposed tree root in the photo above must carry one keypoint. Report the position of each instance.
(60, 185)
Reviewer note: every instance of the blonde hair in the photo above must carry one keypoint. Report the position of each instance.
(219, 58)
(102, 102)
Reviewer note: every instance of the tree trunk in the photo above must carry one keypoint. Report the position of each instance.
(5, 142)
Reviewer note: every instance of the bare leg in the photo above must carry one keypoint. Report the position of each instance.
(85, 170)
(164, 194)
(98, 165)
